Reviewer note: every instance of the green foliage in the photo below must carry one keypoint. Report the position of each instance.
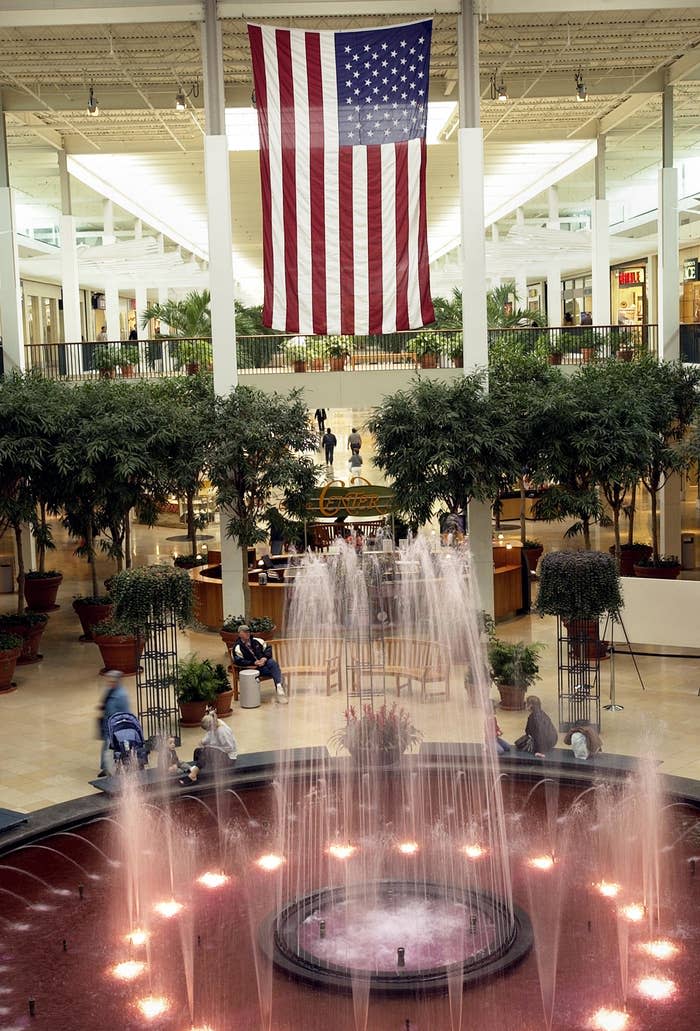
(190, 317)
(196, 680)
(514, 662)
(296, 351)
(529, 543)
(221, 679)
(662, 562)
(112, 628)
(106, 357)
(339, 346)
(9, 642)
(579, 585)
(424, 343)
(149, 593)
(33, 574)
(387, 729)
(26, 619)
(257, 624)
(194, 352)
(448, 311)
(443, 443)
(128, 355)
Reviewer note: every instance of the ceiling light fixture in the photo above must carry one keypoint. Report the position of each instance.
(498, 90)
(93, 107)
(181, 97)
(581, 90)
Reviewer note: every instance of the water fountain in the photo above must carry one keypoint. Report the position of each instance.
(374, 892)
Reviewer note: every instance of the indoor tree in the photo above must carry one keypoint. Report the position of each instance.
(443, 443)
(257, 456)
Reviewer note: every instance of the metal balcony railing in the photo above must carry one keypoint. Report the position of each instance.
(266, 354)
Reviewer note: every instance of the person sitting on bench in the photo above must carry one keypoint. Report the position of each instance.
(250, 652)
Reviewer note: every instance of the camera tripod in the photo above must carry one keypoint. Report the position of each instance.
(613, 705)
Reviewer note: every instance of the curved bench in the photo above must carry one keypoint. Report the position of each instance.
(407, 659)
(303, 657)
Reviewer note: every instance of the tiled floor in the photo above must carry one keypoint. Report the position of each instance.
(47, 742)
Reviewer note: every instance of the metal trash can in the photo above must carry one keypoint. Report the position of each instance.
(249, 688)
(688, 551)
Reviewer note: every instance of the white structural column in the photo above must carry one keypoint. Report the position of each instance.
(474, 327)
(600, 242)
(70, 285)
(111, 287)
(11, 328)
(553, 272)
(218, 191)
(521, 275)
(141, 289)
(668, 306)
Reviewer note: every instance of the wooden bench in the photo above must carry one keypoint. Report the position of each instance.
(303, 656)
(407, 659)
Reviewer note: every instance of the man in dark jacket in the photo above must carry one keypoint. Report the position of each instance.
(250, 652)
(320, 417)
(329, 442)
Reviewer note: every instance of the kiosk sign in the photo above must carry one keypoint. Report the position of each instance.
(363, 500)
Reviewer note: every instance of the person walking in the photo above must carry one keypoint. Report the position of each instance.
(329, 442)
(250, 652)
(320, 417)
(354, 440)
(355, 463)
(114, 700)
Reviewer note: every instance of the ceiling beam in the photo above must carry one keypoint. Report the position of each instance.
(27, 13)
(624, 111)
(685, 67)
(50, 136)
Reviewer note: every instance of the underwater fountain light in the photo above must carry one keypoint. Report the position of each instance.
(213, 880)
(541, 862)
(474, 851)
(657, 988)
(660, 949)
(634, 912)
(137, 937)
(610, 1020)
(270, 861)
(128, 970)
(408, 848)
(168, 909)
(609, 889)
(342, 851)
(153, 1006)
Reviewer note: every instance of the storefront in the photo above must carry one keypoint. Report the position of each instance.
(577, 296)
(628, 294)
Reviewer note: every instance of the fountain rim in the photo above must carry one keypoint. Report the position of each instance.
(303, 966)
(43, 823)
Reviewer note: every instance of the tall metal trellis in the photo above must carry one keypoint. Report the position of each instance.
(580, 650)
(156, 680)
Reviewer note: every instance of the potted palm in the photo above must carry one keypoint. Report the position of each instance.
(29, 626)
(105, 359)
(194, 354)
(119, 647)
(297, 354)
(196, 689)
(10, 649)
(514, 669)
(128, 360)
(317, 350)
(339, 348)
(224, 691)
(454, 349)
(377, 737)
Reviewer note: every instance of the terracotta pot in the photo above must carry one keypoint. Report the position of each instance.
(119, 651)
(223, 703)
(458, 361)
(658, 572)
(625, 354)
(587, 354)
(337, 363)
(299, 366)
(532, 556)
(90, 614)
(584, 639)
(629, 557)
(317, 365)
(192, 368)
(192, 713)
(106, 373)
(554, 358)
(128, 371)
(512, 697)
(31, 635)
(8, 661)
(428, 361)
(40, 592)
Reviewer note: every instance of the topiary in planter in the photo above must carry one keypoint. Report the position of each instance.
(29, 627)
(578, 585)
(10, 648)
(150, 593)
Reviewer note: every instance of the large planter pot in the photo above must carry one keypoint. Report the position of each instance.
(584, 639)
(31, 635)
(458, 361)
(128, 371)
(8, 662)
(625, 354)
(428, 361)
(119, 651)
(532, 557)
(192, 368)
(192, 713)
(223, 703)
(554, 358)
(107, 373)
(90, 614)
(337, 363)
(587, 354)
(512, 697)
(658, 572)
(40, 592)
(629, 557)
(299, 366)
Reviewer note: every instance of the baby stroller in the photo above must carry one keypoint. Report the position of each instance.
(126, 741)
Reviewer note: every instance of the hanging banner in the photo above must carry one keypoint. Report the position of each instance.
(363, 499)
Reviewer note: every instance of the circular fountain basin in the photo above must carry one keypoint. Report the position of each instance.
(333, 937)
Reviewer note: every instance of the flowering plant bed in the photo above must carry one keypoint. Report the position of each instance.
(388, 730)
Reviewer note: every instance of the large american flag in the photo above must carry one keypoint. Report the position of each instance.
(342, 119)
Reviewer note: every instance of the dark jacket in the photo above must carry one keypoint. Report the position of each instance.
(247, 653)
(329, 439)
(541, 730)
